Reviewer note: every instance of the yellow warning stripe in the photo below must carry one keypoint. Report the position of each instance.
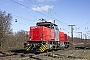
(27, 48)
(43, 48)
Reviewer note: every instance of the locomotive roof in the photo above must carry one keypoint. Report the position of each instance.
(45, 24)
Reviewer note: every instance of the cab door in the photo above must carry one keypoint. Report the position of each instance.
(56, 33)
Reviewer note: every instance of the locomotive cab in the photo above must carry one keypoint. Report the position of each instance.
(46, 24)
(54, 34)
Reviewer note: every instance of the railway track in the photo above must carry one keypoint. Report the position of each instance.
(22, 55)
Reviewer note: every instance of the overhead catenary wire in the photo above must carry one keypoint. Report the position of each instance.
(16, 20)
(24, 18)
(58, 16)
(37, 11)
(29, 8)
(45, 11)
(52, 15)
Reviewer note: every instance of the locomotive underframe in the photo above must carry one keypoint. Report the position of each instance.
(41, 46)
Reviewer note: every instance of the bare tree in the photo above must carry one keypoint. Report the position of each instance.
(19, 39)
(5, 26)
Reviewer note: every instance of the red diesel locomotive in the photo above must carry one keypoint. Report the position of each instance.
(45, 36)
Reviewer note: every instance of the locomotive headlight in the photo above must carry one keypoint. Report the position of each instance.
(27, 47)
(28, 44)
(30, 38)
(41, 38)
